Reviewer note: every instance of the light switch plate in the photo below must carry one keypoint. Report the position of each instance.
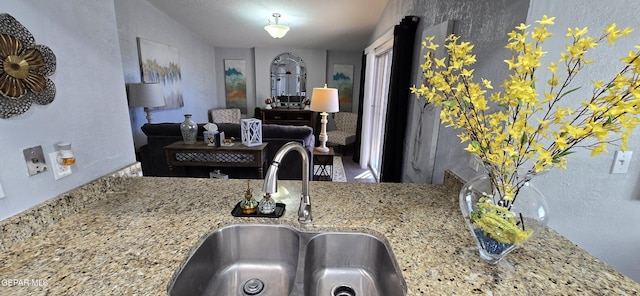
(621, 162)
(59, 171)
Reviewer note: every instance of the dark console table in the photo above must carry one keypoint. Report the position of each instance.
(287, 117)
(199, 154)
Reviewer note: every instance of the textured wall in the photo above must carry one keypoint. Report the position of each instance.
(483, 23)
(197, 62)
(593, 208)
(590, 206)
(90, 108)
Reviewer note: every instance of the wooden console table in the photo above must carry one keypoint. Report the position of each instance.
(199, 154)
(287, 117)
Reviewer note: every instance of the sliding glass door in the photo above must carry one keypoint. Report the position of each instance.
(382, 70)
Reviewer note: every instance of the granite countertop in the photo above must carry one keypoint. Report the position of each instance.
(129, 235)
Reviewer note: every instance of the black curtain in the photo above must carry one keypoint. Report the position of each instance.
(398, 100)
(356, 144)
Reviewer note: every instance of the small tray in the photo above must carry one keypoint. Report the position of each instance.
(280, 207)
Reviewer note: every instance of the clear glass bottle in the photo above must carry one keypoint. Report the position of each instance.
(267, 205)
(189, 130)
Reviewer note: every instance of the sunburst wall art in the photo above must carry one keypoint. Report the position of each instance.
(25, 68)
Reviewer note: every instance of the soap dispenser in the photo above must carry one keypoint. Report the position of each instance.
(249, 204)
(267, 204)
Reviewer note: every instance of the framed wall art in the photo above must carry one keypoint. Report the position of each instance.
(343, 80)
(235, 84)
(160, 63)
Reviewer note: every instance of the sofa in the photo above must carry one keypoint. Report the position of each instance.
(154, 163)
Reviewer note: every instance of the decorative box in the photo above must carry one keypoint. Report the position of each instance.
(251, 132)
(210, 138)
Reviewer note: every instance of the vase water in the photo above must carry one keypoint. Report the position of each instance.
(529, 210)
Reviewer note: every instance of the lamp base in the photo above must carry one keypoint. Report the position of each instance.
(322, 149)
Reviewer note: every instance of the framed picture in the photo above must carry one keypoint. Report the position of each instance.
(160, 63)
(235, 84)
(343, 80)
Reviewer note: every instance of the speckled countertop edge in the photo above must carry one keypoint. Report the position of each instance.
(130, 235)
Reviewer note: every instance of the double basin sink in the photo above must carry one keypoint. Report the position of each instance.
(255, 259)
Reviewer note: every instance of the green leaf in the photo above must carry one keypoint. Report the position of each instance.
(557, 157)
(449, 103)
(609, 119)
(524, 139)
(565, 153)
(568, 92)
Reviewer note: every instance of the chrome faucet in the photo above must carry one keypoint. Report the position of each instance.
(271, 179)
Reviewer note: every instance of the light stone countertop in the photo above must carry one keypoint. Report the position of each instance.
(129, 235)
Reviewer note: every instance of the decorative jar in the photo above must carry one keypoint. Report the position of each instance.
(189, 130)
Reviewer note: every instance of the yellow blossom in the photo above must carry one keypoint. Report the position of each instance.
(529, 124)
(546, 20)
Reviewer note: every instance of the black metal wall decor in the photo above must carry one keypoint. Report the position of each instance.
(24, 69)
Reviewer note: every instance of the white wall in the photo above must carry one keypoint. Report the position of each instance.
(256, 67)
(346, 58)
(90, 107)
(138, 18)
(246, 54)
(593, 208)
(314, 59)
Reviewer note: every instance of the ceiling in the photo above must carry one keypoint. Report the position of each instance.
(315, 24)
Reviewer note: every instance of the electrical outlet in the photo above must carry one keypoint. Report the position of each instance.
(59, 171)
(474, 162)
(621, 162)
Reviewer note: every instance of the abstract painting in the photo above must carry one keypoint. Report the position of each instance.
(159, 63)
(343, 80)
(235, 84)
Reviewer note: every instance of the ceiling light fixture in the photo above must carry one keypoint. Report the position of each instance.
(276, 30)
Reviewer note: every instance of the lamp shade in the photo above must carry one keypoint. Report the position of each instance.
(145, 95)
(325, 100)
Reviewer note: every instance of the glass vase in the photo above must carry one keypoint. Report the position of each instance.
(529, 210)
(189, 130)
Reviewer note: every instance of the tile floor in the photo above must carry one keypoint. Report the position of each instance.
(352, 169)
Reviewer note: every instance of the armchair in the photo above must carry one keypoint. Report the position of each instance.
(231, 115)
(345, 133)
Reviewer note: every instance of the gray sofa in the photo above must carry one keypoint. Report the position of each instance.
(159, 135)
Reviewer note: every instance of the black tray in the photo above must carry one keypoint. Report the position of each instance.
(280, 207)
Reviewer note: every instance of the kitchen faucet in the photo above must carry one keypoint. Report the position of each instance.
(271, 179)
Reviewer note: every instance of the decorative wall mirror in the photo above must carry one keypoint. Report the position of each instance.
(288, 80)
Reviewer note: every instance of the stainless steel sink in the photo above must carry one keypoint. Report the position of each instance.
(250, 259)
(259, 258)
(348, 264)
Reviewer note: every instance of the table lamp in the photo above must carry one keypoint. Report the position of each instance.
(324, 100)
(146, 95)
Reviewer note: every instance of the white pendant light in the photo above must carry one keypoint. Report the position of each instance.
(276, 30)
